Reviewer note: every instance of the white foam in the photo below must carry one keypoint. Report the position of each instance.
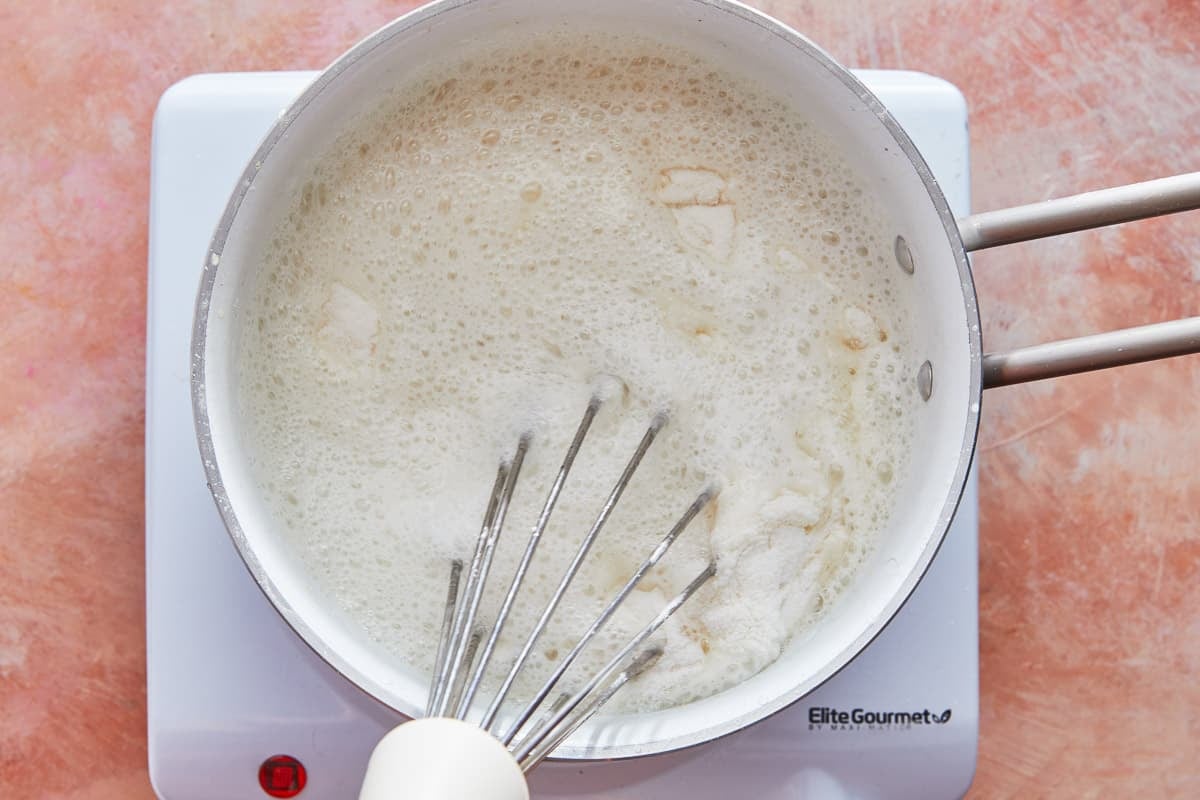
(555, 217)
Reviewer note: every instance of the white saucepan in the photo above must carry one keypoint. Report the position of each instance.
(949, 367)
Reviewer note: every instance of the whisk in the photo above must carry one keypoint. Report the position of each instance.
(454, 752)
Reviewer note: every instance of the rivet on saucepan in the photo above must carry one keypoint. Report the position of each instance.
(925, 380)
(904, 256)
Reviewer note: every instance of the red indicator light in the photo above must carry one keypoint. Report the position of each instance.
(282, 776)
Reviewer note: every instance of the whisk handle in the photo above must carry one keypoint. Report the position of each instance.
(438, 758)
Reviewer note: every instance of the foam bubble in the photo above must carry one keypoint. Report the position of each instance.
(557, 219)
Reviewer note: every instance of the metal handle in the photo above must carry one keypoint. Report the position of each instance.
(1076, 213)
(1081, 211)
(1087, 353)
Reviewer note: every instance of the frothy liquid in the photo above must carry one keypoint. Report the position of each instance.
(548, 219)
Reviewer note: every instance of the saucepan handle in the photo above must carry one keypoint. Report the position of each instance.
(1076, 213)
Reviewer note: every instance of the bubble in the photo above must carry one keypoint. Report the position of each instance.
(531, 191)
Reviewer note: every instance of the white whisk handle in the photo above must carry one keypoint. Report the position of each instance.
(438, 758)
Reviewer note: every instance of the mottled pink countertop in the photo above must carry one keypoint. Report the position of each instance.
(1090, 535)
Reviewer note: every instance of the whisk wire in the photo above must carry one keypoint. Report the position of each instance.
(580, 554)
(526, 746)
(468, 606)
(439, 662)
(510, 484)
(565, 663)
(572, 723)
(458, 676)
(535, 537)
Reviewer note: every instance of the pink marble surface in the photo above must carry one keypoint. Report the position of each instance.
(1090, 539)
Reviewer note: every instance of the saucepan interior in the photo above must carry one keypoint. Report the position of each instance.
(781, 62)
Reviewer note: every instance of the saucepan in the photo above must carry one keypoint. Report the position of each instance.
(949, 366)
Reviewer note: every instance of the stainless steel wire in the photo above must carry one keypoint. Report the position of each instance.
(458, 675)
